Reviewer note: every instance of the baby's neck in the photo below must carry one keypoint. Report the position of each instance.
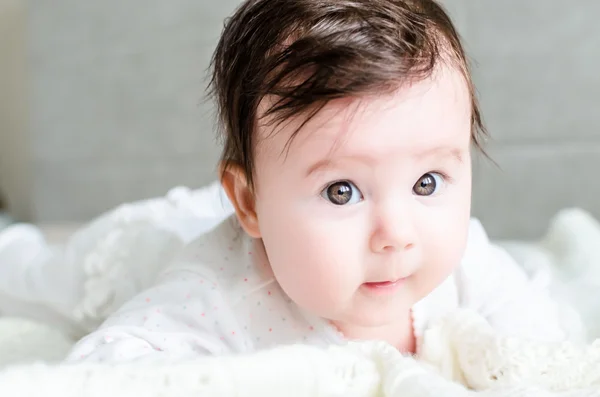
(399, 334)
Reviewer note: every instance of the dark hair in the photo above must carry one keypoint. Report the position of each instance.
(305, 53)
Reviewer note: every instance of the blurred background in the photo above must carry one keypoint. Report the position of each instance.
(102, 102)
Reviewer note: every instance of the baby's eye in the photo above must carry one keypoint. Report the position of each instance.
(428, 184)
(342, 193)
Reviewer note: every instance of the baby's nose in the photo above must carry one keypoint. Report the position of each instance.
(392, 237)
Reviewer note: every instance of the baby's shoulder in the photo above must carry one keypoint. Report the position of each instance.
(220, 248)
(477, 249)
(220, 258)
(486, 267)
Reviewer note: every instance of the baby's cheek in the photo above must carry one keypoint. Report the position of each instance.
(316, 272)
(449, 248)
(442, 243)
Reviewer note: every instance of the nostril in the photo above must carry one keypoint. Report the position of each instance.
(389, 248)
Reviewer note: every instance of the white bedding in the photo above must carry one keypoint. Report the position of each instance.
(52, 294)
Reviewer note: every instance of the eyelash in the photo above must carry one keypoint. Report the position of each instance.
(447, 179)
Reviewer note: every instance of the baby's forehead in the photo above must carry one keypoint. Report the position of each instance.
(419, 114)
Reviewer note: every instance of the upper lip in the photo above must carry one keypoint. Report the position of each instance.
(391, 280)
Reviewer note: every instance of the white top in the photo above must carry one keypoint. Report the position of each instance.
(216, 299)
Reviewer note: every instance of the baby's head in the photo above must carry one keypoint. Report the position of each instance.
(348, 126)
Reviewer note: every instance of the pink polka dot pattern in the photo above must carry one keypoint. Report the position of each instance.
(221, 301)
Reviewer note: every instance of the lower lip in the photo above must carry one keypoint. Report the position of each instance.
(383, 287)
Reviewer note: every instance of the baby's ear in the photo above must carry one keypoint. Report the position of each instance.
(236, 185)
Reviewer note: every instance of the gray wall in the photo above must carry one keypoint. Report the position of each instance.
(117, 99)
(116, 110)
(539, 94)
(14, 143)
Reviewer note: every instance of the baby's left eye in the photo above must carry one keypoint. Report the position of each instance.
(428, 184)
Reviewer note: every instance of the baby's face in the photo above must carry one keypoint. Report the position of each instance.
(368, 211)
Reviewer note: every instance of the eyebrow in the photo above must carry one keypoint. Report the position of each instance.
(453, 153)
(327, 163)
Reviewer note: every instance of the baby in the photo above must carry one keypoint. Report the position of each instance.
(348, 129)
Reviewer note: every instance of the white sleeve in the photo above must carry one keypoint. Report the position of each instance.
(493, 284)
(184, 316)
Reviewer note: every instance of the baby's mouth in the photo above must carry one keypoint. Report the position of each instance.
(384, 285)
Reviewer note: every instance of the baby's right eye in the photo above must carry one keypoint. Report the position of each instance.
(342, 193)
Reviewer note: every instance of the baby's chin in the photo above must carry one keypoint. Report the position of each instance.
(371, 314)
(381, 318)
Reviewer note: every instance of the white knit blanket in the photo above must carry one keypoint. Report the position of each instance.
(461, 355)
(461, 348)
